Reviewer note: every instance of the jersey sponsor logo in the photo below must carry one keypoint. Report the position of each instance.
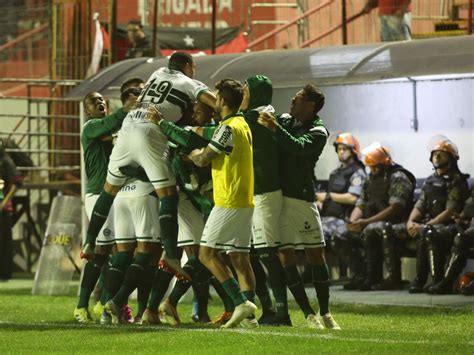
(225, 136)
(127, 188)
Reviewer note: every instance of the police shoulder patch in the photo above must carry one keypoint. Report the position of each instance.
(356, 181)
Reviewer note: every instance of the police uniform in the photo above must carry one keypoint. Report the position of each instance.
(394, 186)
(229, 225)
(438, 194)
(143, 143)
(342, 180)
(96, 159)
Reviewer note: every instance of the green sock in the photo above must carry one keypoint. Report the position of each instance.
(144, 288)
(232, 288)
(251, 296)
(99, 216)
(296, 287)
(261, 285)
(181, 286)
(160, 286)
(115, 274)
(321, 284)
(132, 278)
(92, 272)
(276, 277)
(226, 300)
(169, 224)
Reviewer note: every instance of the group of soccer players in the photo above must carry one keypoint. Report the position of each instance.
(149, 186)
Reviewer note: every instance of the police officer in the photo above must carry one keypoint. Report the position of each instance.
(345, 185)
(386, 194)
(463, 242)
(430, 221)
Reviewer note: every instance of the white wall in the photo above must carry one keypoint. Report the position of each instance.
(382, 112)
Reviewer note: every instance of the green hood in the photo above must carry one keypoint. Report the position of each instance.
(261, 91)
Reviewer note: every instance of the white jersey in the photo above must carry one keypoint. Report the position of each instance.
(135, 188)
(170, 91)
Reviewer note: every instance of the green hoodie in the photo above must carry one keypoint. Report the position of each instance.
(265, 150)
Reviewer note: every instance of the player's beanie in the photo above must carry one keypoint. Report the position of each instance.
(261, 91)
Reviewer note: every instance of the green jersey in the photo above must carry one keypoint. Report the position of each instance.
(186, 141)
(97, 151)
(300, 146)
(265, 148)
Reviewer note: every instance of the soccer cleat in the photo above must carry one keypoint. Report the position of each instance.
(168, 313)
(173, 266)
(267, 315)
(222, 319)
(150, 317)
(82, 315)
(242, 311)
(314, 322)
(203, 318)
(249, 323)
(114, 311)
(127, 314)
(137, 320)
(329, 322)
(105, 318)
(87, 252)
(277, 321)
(98, 310)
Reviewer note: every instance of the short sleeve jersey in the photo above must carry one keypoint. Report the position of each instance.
(232, 170)
(170, 91)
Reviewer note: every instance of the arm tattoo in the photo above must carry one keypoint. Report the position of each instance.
(204, 158)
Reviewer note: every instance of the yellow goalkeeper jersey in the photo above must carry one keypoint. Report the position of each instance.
(232, 170)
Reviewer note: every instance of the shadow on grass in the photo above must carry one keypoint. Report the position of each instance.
(109, 329)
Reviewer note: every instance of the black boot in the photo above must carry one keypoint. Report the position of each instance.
(456, 263)
(436, 259)
(422, 266)
(374, 260)
(392, 261)
(351, 255)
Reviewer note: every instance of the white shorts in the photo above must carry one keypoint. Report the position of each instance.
(137, 219)
(266, 219)
(229, 229)
(300, 225)
(190, 222)
(106, 235)
(145, 145)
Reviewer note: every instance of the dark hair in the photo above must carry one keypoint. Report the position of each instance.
(130, 91)
(131, 82)
(231, 92)
(178, 60)
(314, 94)
(88, 97)
(136, 22)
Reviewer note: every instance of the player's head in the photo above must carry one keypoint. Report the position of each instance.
(135, 31)
(134, 82)
(307, 102)
(95, 105)
(125, 95)
(202, 113)
(258, 91)
(228, 97)
(347, 147)
(183, 62)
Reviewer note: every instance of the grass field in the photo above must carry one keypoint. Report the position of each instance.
(45, 324)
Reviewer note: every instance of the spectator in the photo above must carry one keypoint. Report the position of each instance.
(140, 47)
(395, 18)
(10, 181)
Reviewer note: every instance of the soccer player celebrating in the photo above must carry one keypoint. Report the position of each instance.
(258, 92)
(229, 224)
(142, 143)
(96, 140)
(301, 137)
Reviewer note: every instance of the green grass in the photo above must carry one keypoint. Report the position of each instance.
(44, 324)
